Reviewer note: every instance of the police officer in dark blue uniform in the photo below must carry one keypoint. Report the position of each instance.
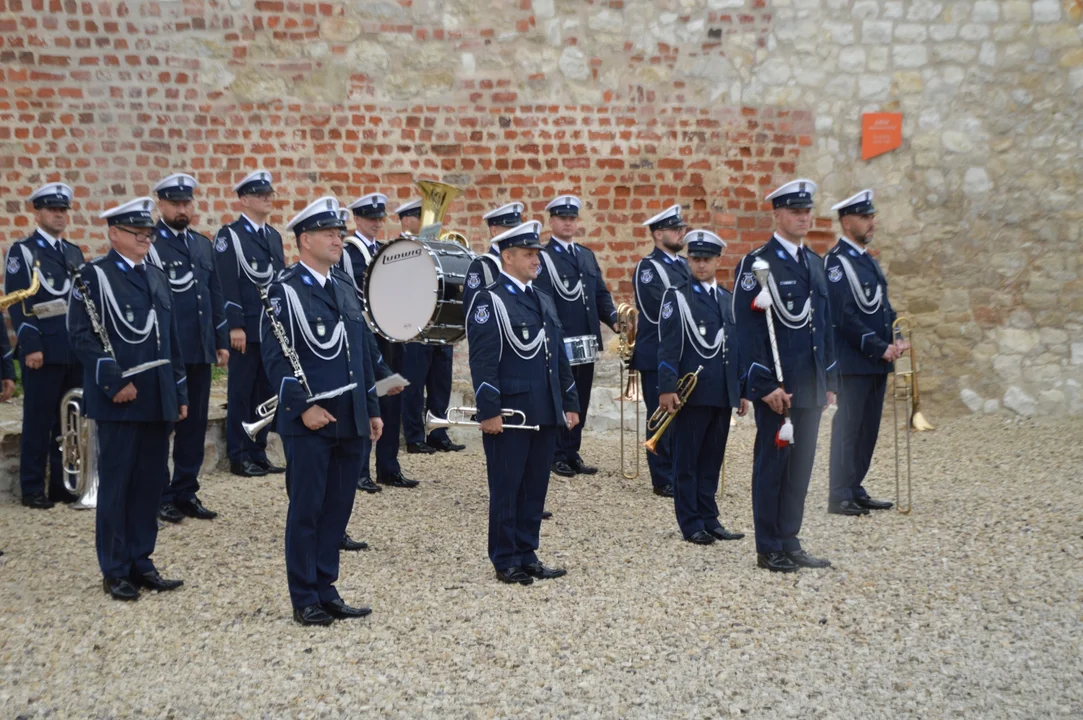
(123, 328)
(517, 363)
(7, 364)
(655, 274)
(796, 295)
(187, 258)
(248, 255)
(323, 411)
(485, 268)
(358, 250)
(370, 213)
(862, 317)
(571, 276)
(697, 330)
(428, 368)
(50, 368)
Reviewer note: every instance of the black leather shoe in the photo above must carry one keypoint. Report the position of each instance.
(664, 491)
(247, 468)
(514, 575)
(154, 581)
(800, 558)
(540, 571)
(419, 448)
(581, 467)
(120, 589)
(723, 534)
(445, 445)
(397, 480)
(869, 504)
(846, 507)
(351, 545)
(546, 514)
(339, 609)
(38, 502)
(368, 486)
(312, 615)
(194, 509)
(701, 537)
(563, 469)
(776, 562)
(269, 468)
(170, 513)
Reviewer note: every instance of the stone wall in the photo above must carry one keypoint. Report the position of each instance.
(633, 104)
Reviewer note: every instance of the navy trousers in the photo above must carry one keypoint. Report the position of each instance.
(387, 447)
(247, 387)
(780, 477)
(517, 463)
(853, 433)
(428, 368)
(191, 434)
(321, 479)
(699, 444)
(132, 470)
(569, 441)
(660, 463)
(43, 389)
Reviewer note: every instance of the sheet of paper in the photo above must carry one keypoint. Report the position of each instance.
(393, 381)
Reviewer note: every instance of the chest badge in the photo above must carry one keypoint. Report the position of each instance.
(128, 314)
(789, 304)
(173, 273)
(702, 329)
(525, 333)
(321, 329)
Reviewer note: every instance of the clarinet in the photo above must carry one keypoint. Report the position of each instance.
(280, 334)
(92, 311)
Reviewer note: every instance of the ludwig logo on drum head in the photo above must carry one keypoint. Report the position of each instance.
(389, 258)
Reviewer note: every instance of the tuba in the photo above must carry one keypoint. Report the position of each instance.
(79, 451)
(627, 315)
(436, 198)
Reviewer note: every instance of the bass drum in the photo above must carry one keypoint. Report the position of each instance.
(414, 291)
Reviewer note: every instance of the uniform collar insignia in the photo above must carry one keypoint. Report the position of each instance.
(306, 278)
(510, 288)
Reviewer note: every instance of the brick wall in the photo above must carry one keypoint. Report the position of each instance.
(89, 98)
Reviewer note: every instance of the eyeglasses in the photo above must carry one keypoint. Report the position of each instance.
(265, 195)
(141, 235)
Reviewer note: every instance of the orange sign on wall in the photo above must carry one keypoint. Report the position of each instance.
(880, 133)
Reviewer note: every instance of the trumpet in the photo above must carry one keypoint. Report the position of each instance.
(660, 419)
(461, 417)
(266, 414)
(626, 315)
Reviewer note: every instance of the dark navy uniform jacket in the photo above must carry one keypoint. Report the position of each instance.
(188, 262)
(807, 352)
(33, 334)
(719, 383)
(243, 306)
(482, 268)
(583, 315)
(160, 391)
(862, 315)
(7, 355)
(650, 284)
(321, 308)
(542, 387)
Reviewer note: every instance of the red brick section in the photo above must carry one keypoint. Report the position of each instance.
(96, 95)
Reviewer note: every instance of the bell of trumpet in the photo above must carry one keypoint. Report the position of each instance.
(265, 414)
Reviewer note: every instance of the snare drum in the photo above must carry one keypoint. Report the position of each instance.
(414, 291)
(581, 349)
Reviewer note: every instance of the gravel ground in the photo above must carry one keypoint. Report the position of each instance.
(971, 605)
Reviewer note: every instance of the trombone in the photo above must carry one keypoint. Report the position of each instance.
(462, 417)
(904, 395)
(660, 419)
(626, 315)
